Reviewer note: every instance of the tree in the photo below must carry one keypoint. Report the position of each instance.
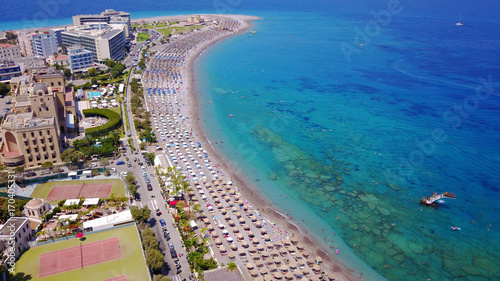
(107, 173)
(154, 260)
(130, 178)
(231, 266)
(142, 145)
(71, 155)
(140, 214)
(92, 71)
(11, 36)
(4, 89)
(93, 81)
(104, 162)
(19, 169)
(47, 164)
(54, 54)
(67, 73)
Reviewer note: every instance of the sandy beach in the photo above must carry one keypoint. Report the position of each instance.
(246, 188)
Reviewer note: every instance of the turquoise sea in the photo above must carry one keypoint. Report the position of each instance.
(363, 108)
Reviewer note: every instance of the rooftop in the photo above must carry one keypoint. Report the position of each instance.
(16, 221)
(101, 30)
(222, 274)
(6, 45)
(6, 64)
(26, 120)
(61, 57)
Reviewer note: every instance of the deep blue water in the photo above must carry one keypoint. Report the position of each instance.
(366, 130)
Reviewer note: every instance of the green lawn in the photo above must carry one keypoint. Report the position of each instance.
(177, 29)
(131, 264)
(43, 190)
(142, 36)
(161, 24)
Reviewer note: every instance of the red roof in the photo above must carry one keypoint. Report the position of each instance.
(61, 57)
(6, 45)
(172, 203)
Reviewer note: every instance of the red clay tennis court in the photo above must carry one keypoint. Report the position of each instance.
(74, 191)
(71, 258)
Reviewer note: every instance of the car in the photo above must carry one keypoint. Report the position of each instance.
(163, 223)
(171, 246)
(120, 163)
(124, 174)
(144, 174)
(94, 165)
(158, 212)
(8, 102)
(129, 164)
(137, 197)
(150, 187)
(113, 170)
(147, 180)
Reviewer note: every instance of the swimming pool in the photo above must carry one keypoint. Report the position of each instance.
(93, 94)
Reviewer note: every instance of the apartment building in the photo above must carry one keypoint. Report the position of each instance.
(9, 52)
(19, 229)
(105, 41)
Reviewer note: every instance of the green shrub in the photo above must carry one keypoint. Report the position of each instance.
(115, 121)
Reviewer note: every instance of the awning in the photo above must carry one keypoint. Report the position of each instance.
(173, 203)
(72, 174)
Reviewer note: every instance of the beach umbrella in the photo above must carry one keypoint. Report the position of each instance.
(264, 254)
(300, 247)
(257, 279)
(287, 260)
(305, 254)
(195, 182)
(270, 245)
(255, 257)
(268, 259)
(310, 261)
(246, 227)
(234, 247)
(263, 231)
(263, 271)
(241, 220)
(215, 234)
(275, 253)
(295, 240)
(314, 278)
(268, 278)
(223, 211)
(204, 180)
(305, 270)
(241, 202)
(218, 241)
(287, 242)
(332, 277)
(250, 234)
(210, 227)
(237, 214)
(231, 222)
(227, 217)
(222, 249)
(260, 247)
(219, 206)
(250, 265)
(239, 236)
(258, 224)
(244, 244)
(251, 249)
(278, 244)
(278, 275)
(214, 179)
(235, 229)
(277, 260)
(254, 272)
(255, 241)
(292, 249)
(242, 252)
(234, 209)
(292, 265)
(273, 268)
(289, 275)
(206, 221)
(267, 238)
(284, 268)
(318, 259)
(258, 263)
(301, 263)
(316, 268)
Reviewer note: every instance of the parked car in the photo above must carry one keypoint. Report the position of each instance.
(144, 174)
(137, 197)
(128, 164)
(150, 187)
(163, 223)
(120, 162)
(147, 180)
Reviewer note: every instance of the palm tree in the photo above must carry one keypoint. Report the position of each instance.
(231, 266)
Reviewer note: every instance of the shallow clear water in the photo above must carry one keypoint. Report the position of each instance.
(367, 138)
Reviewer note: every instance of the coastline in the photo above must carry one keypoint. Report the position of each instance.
(246, 188)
